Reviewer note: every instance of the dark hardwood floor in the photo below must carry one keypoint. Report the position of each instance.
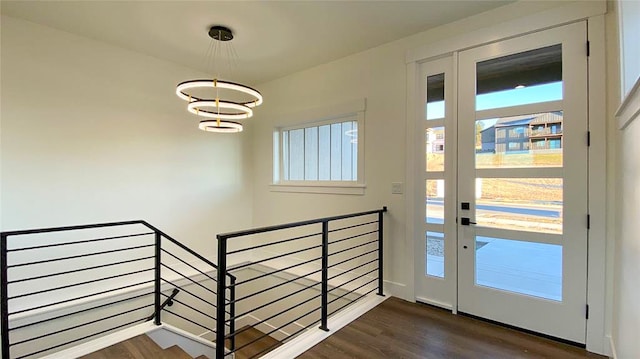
(400, 329)
(256, 349)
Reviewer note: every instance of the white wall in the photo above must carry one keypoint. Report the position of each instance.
(94, 133)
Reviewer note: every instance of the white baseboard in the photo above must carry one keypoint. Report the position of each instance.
(612, 349)
(102, 342)
(395, 289)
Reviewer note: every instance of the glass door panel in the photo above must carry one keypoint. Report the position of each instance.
(522, 242)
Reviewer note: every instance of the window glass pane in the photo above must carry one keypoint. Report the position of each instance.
(336, 152)
(324, 153)
(353, 134)
(527, 77)
(285, 154)
(520, 141)
(435, 201)
(435, 97)
(435, 254)
(434, 143)
(346, 151)
(528, 268)
(296, 155)
(524, 204)
(311, 154)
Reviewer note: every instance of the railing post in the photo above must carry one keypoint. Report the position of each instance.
(220, 310)
(381, 251)
(325, 276)
(157, 304)
(4, 303)
(232, 312)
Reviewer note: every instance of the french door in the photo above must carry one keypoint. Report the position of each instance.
(505, 182)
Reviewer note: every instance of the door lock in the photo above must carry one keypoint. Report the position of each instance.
(466, 221)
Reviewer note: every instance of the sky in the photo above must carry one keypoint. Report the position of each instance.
(506, 98)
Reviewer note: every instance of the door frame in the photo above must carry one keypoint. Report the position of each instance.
(600, 255)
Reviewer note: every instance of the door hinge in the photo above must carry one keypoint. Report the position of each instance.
(588, 221)
(588, 48)
(586, 313)
(588, 138)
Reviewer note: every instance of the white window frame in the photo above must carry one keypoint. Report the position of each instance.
(352, 111)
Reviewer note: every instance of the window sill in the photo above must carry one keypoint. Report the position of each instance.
(349, 189)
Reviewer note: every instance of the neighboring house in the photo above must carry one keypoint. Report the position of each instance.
(435, 140)
(523, 133)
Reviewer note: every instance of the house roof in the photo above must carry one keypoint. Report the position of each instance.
(540, 118)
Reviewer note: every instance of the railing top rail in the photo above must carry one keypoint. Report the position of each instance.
(295, 224)
(70, 228)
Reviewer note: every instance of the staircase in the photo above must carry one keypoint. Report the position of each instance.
(143, 347)
(64, 289)
(140, 347)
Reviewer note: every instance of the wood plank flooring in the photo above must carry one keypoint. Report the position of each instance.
(139, 347)
(400, 329)
(258, 348)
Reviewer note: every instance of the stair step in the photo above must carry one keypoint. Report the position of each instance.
(140, 347)
(175, 352)
(261, 346)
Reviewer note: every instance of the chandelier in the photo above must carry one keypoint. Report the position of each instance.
(221, 103)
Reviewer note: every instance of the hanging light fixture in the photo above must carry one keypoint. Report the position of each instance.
(221, 112)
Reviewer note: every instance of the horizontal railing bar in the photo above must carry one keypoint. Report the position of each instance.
(79, 256)
(353, 290)
(185, 248)
(190, 307)
(81, 297)
(78, 242)
(354, 247)
(191, 321)
(273, 287)
(188, 292)
(277, 271)
(274, 243)
(354, 268)
(296, 224)
(277, 314)
(78, 270)
(80, 311)
(302, 329)
(83, 338)
(70, 228)
(352, 237)
(275, 330)
(354, 226)
(80, 325)
(353, 301)
(353, 279)
(192, 267)
(78, 284)
(276, 257)
(275, 301)
(187, 278)
(352, 258)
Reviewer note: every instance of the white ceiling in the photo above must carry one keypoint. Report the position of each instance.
(272, 38)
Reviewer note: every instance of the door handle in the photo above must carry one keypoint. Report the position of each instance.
(466, 221)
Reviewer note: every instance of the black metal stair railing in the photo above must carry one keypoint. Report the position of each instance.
(334, 262)
(100, 284)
